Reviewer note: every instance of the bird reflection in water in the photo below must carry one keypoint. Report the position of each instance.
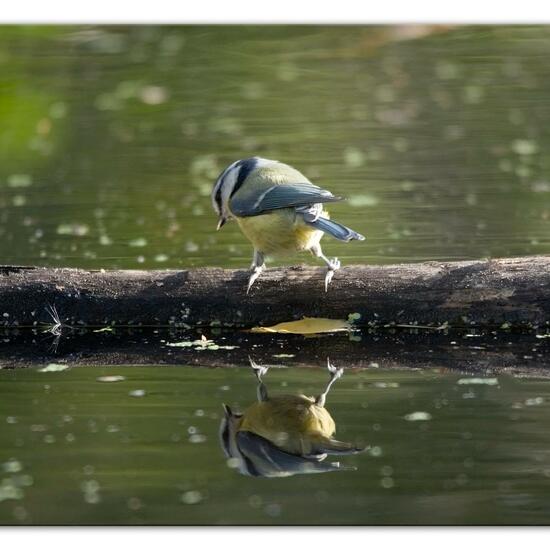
(280, 436)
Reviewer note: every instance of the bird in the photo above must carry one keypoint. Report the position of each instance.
(279, 210)
(283, 435)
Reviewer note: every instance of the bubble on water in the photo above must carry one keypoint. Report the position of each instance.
(384, 385)
(19, 513)
(386, 471)
(153, 95)
(138, 242)
(49, 438)
(134, 503)
(375, 451)
(387, 482)
(58, 109)
(112, 428)
(197, 438)
(273, 510)
(225, 388)
(9, 490)
(354, 157)
(38, 427)
(136, 393)
(161, 258)
(485, 381)
(191, 497)
(532, 401)
(418, 416)
(19, 180)
(73, 229)
(199, 412)
(191, 430)
(69, 438)
(233, 463)
(12, 465)
(255, 501)
(190, 246)
(19, 200)
(524, 147)
(111, 378)
(54, 367)
(105, 240)
(88, 469)
(11, 420)
(89, 485)
(468, 395)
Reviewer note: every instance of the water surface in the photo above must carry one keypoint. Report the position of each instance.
(111, 138)
(444, 448)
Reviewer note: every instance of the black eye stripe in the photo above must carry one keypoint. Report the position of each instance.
(245, 167)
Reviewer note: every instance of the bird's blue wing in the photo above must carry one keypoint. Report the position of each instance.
(279, 196)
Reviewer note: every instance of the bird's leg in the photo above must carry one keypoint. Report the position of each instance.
(334, 375)
(257, 267)
(259, 371)
(332, 264)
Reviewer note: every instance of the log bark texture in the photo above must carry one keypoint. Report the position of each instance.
(491, 293)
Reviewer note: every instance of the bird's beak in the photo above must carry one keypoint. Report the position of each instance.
(221, 223)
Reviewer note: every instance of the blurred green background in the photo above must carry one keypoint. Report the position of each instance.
(112, 136)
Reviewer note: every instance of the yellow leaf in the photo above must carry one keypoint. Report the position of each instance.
(307, 325)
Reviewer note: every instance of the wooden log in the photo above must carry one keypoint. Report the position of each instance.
(490, 293)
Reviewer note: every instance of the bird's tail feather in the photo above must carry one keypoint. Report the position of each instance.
(336, 230)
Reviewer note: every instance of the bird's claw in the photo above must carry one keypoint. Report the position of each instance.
(334, 371)
(333, 265)
(253, 276)
(259, 370)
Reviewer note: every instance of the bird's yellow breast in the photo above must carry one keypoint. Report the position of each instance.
(280, 232)
(292, 422)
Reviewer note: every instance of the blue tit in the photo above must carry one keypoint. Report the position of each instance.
(283, 435)
(279, 210)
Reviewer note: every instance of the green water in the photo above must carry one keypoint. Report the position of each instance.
(111, 138)
(74, 450)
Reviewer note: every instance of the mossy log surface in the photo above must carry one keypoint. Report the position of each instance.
(514, 291)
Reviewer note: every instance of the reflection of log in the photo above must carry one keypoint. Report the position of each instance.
(519, 353)
(482, 293)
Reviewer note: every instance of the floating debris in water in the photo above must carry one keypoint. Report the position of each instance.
(74, 229)
(191, 497)
(19, 180)
(532, 401)
(363, 200)
(54, 367)
(137, 243)
(308, 325)
(90, 488)
(111, 378)
(418, 416)
(197, 438)
(384, 385)
(199, 345)
(153, 95)
(136, 393)
(486, 381)
(105, 329)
